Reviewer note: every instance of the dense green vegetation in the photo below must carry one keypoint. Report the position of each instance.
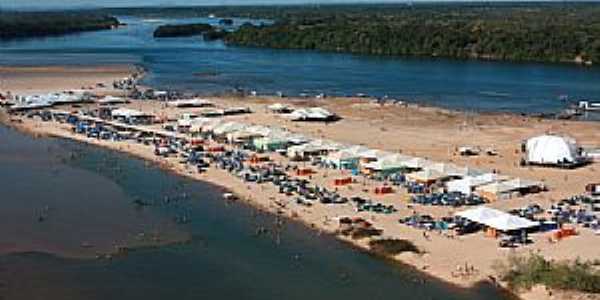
(391, 247)
(182, 30)
(34, 24)
(208, 32)
(520, 32)
(527, 271)
(214, 34)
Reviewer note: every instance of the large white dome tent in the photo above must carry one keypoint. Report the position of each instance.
(552, 150)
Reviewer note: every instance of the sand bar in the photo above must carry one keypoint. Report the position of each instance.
(426, 132)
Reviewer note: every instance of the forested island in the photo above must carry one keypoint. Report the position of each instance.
(208, 32)
(181, 30)
(545, 33)
(516, 31)
(37, 24)
(534, 31)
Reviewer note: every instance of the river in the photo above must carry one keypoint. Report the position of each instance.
(191, 64)
(64, 203)
(87, 194)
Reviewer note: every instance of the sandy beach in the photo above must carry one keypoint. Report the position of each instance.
(38, 80)
(426, 132)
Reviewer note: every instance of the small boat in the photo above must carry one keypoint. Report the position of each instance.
(573, 111)
(229, 197)
(494, 94)
(589, 105)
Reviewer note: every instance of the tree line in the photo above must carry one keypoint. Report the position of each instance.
(518, 32)
(36, 24)
(208, 32)
(180, 30)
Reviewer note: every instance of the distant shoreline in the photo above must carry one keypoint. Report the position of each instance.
(497, 31)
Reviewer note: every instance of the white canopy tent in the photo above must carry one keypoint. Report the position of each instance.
(311, 114)
(373, 154)
(201, 124)
(111, 100)
(326, 145)
(519, 183)
(241, 136)
(296, 138)
(31, 102)
(211, 124)
(259, 130)
(128, 113)
(356, 150)
(426, 176)
(301, 151)
(508, 222)
(48, 100)
(468, 184)
(212, 112)
(280, 108)
(343, 159)
(383, 164)
(228, 127)
(479, 214)
(338, 156)
(386, 160)
(496, 190)
(66, 98)
(190, 103)
(416, 163)
(496, 219)
(314, 146)
(448, 169)
(185, 123)
(551, 149)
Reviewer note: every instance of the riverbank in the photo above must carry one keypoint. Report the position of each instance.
(38, 80)
(426, 132)
(222, 181)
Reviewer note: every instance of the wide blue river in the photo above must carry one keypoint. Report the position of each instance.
(211, 67)
(64, 202)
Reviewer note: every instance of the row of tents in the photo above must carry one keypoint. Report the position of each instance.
(361, 159)
(494, 187)
(303, 114)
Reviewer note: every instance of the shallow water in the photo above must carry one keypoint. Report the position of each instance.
(223, 258)
(210, 67)
(59, 196)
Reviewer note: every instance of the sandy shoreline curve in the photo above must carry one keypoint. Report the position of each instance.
(428, 132)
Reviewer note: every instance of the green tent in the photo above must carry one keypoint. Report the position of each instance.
(269, 144)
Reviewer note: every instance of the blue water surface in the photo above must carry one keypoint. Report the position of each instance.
(191, 64)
